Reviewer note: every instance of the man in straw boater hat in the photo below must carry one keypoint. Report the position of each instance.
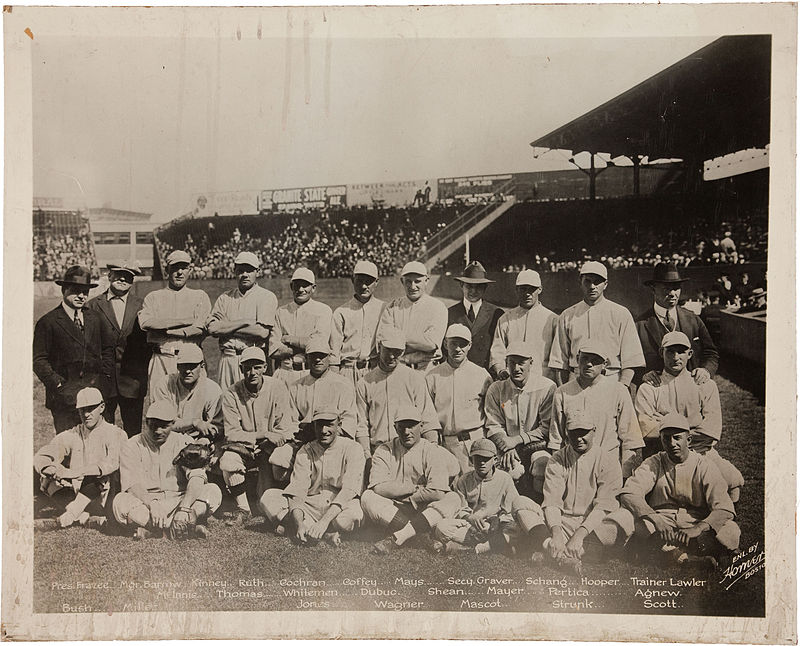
(72, 349)
(666, 315)
(173, 317)
(241, 317)
(118, 307)
(529, 322)
(479, 316)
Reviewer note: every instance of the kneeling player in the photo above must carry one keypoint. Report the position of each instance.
(677, 501)
(158, 492)
(79, 468)
(581, 485)
(492, 511)
(321, 499)
(408, 474)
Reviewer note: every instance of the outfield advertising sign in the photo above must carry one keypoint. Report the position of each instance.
(404, 193)
(296, 199)
(473, 187)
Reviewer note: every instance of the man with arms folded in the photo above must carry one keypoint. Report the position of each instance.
(606, 402)
(493, 516)
(408, 474)
(196, 397)
(598, 319)
(321, 500)
(174, 318)
(242, 317)
(355, 325)
(581, 485)
(257, 418)
(296, 323)
(678, 392)
(385, 389)
(478, 316)
(422, 318)
(157, 492)
(79, 468)
(518, 414)
(677, 501)
(457, 388)
(529, 322)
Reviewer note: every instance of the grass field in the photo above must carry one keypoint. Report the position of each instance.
(79, 570)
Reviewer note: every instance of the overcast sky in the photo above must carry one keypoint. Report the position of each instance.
(143, 123)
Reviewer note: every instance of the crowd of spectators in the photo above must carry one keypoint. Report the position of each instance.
(53, 253)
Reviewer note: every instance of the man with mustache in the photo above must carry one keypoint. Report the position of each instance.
(155, 490)
(598, 319)
(322, 497)
(458, 388)
(72, 349)
(421, 317)
(242, 317)
(355, 325)
(173, 317)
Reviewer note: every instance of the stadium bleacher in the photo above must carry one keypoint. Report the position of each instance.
(61, 239)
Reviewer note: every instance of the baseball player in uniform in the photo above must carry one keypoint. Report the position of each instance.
(518, 414)
(422, 318)
(196, 397)
(606, 401)
(322, 497)
(79, 468)
(258, 418)
(296, 323)
(581, 485)
(242, 317)
(355, 325)
(458, 388)
(173, 317)
(677, 501)
(529, 322)
(598, 319)
(493, 516)
(157, 492)
(408, 474)
(678, 392)
(385, 389)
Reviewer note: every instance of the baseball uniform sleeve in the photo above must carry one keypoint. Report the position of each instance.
(634, 492)
(337, 337)
(630, 435)
(147, 313)
(348, 410)
(631, 355)
(497, 353)
(495, 418)
(558, 422)
(110, 461)
(609, 484)
(362, 408)
(710, 410)
(131, 470)
(212, 409)
(220, 310)
(283, 418)
(541, 432)
(353, 475)
(52, 453)
(549, 334)
(231, 419)
(716, 493)
(422, 398)
(300, 482)
(649, 416)
(559, 352)
(555, 484)
(381, 470)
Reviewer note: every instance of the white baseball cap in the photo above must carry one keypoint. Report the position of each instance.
(178, 256)
(252, 354)
(88, 397)
(458, 331)
(189, 353)
(247, 258)
(529, 277)
(304, 273)
(367, 268)
(594, 267)
(414, 267)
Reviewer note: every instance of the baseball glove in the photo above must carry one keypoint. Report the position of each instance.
(243, 449)
(182, 523)
(195, 456)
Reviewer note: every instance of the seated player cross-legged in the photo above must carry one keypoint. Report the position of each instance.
(79, 468)
(164, 484)
(321, 500)
(493, 516)
(580, 490)
(677, 502)
(408, 474)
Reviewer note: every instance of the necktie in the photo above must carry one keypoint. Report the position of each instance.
(471, 314)
(78, 323)
(669, 322)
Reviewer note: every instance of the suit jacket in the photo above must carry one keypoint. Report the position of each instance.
(651, 331)
(482, 329)
(63, 356)
(131, 350)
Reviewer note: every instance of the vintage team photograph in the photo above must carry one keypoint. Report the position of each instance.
(328, 321)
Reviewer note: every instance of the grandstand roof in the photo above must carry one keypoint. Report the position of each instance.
(108, 214)
(713, 102)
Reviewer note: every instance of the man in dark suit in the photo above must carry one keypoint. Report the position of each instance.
(667, 316)
(118, 308)
(479, 316)
(71, 349)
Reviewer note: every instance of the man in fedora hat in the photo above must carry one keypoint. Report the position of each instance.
(173, 317)
(479, 316)
(118, 308)
(71, 349)
(667, 316)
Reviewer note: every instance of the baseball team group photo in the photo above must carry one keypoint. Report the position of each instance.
(536, 390)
